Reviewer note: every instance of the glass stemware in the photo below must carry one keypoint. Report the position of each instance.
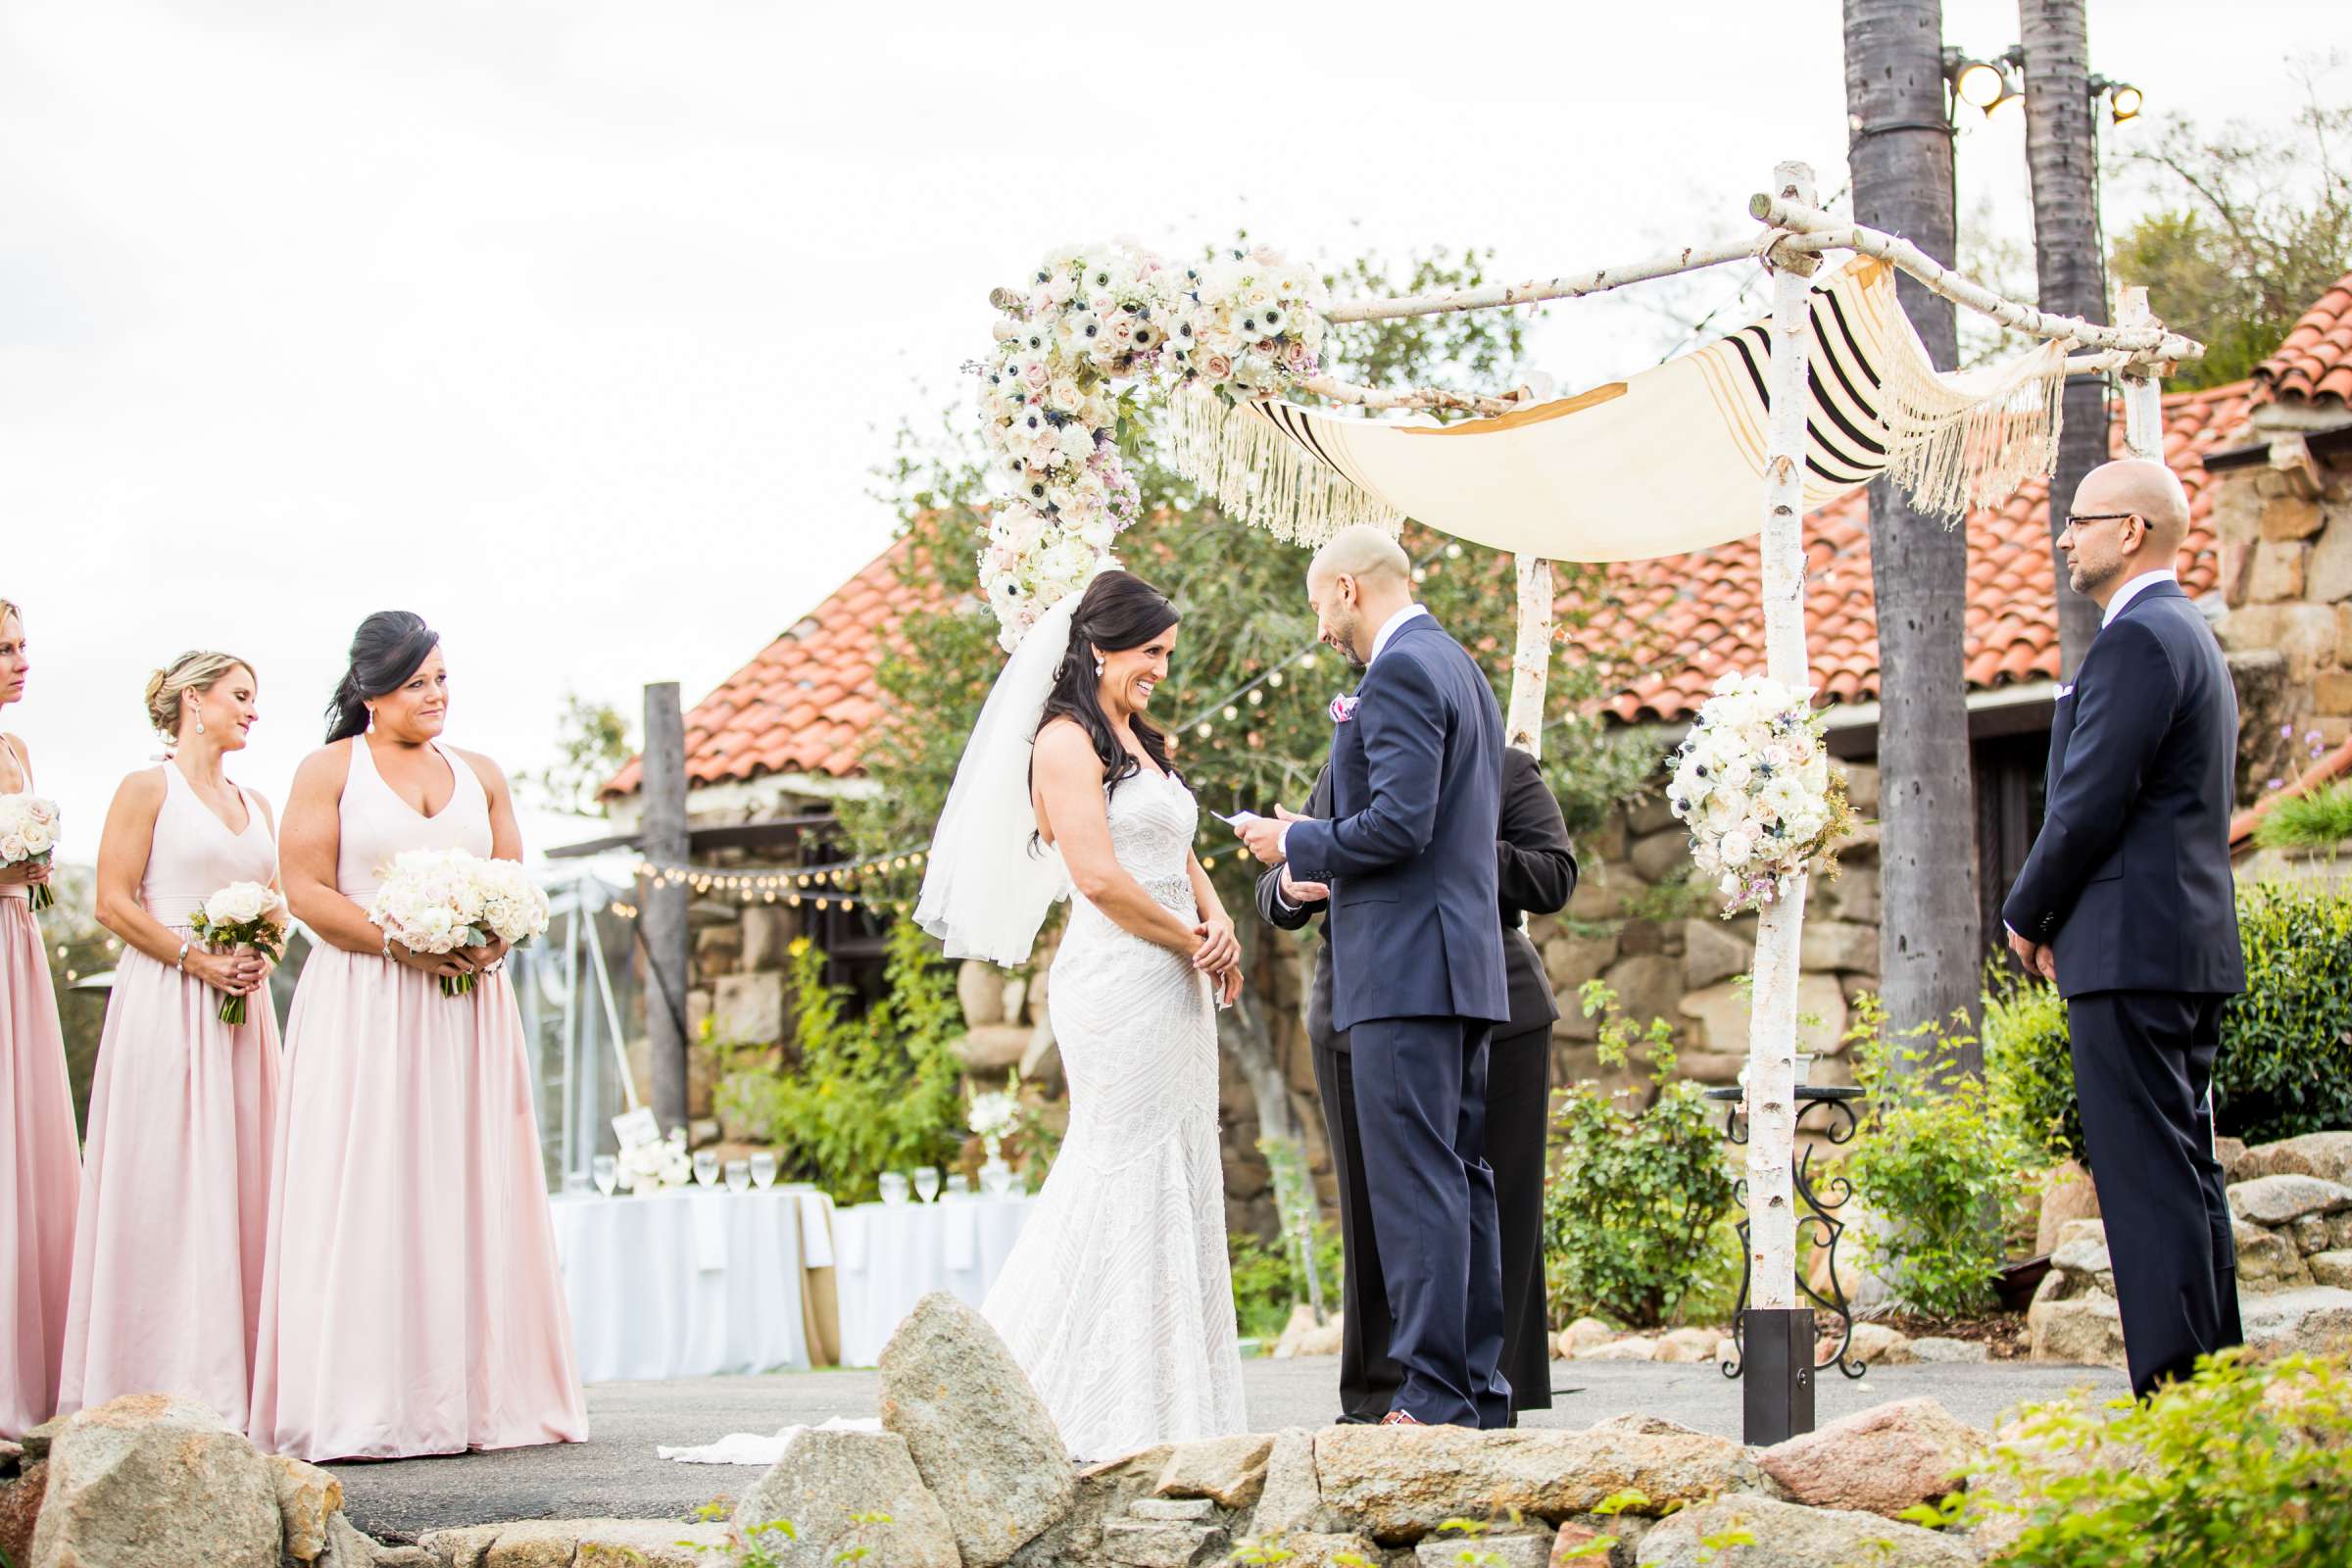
(959, 1184)
(739, 1175)
(927, 1182)
(706, 1167)
(606, 1170)
(894, 1188)
(764, 1169)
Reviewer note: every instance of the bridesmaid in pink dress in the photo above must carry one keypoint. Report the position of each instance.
(410, 1302)
(175, 1177)
(40, 1167)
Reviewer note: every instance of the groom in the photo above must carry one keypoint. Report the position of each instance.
(1417, 965)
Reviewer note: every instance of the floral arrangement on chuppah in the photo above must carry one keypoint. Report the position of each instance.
(438, 901)
(242, 914)
(29, 833)
(1051, 402)
(1753, 783)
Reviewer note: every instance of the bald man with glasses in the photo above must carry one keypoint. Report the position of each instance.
(2128, 905)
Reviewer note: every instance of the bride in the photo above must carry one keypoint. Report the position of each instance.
(1116, 1300)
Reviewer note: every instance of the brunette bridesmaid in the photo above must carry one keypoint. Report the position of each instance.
(41, 1169)
(410, 1303)
(175, 1176)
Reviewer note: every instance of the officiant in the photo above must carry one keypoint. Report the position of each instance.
(1536, 874)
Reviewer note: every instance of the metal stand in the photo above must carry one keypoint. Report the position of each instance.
(1780, 1396)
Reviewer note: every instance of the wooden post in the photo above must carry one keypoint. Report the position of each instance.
(1774, 1383)
(1530, 658)
(2144, 391)
(661, 838)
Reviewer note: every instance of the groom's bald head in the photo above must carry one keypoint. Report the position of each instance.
(1356, 582)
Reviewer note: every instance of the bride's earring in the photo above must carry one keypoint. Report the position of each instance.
(1098, 667)
(200, 718)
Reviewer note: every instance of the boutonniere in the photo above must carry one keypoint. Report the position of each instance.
(1342, 707)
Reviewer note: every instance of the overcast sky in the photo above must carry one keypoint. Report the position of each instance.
(577, 327)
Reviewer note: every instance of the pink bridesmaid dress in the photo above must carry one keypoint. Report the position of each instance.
(175, 1177)
(40, 1168)
(410, 1302)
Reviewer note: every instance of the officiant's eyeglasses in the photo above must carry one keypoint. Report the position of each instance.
(2076, 520)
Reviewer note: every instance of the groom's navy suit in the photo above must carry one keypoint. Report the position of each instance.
(2129, 882)
(1418, 979)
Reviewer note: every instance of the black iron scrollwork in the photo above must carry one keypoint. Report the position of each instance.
(1817, 1218)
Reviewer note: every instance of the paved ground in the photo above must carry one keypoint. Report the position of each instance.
(615, 1474)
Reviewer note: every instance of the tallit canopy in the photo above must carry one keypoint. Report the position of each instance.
(1668, 462)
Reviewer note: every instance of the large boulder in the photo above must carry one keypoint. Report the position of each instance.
(1880, 1460)
(1292, 1498)
(2314, 1321)
(2085, 1330)
(1400, 1482)
(2327, 1156)
(824, 1478)
(1877, 1345)
(2267, 1261)
(2332, 1268)
(2276, 1201)
(983, 1440)
(1786, 1535)
(1230, 1472)
(2066, 1195)
(306, 1498)
(151, 1478)
(1105, 1492)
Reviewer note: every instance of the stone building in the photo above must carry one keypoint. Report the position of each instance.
(2269, 557)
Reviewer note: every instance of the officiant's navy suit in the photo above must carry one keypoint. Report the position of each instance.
(2129, 882)
(1418, 980)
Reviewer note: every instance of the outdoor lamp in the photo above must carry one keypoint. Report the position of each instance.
(1983, 84)
(2123, 100)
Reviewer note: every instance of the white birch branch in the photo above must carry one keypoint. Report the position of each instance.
(2144, 394)
(1530, 658)
(1567, 286)
(1422, 397)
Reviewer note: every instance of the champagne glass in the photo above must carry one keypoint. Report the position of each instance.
(894, 1188)
(764, 1169)
(706, 1167)
(739, 1175)
(958, 1185)
(608, 1173)
(927, 1182)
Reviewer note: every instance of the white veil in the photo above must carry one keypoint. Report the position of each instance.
(985, 890)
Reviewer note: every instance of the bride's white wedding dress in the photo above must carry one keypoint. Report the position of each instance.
(1117, 1300)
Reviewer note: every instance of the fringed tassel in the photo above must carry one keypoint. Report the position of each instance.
(1261, 475)
(1957, 443)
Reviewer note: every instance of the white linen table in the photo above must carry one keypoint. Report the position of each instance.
(890, 1256)
(689, 1281)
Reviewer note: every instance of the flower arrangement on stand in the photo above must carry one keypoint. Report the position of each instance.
(29, 833)
(439, 900)
(995, 1117)
(242, 914)
(1753, 783)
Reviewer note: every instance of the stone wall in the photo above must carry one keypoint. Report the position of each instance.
(2285, 544)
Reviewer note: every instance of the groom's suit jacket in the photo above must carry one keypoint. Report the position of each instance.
(2129, 879)
(1416, 788)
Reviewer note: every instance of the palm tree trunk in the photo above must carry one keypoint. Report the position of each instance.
(1901, 155)
(2061, 153)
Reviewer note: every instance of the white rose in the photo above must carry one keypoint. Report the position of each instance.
(13, 849)
(38, 839)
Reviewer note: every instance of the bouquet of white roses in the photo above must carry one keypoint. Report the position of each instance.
(649, 1166)
(1753, 783)
(438, 901)
(242, 914)
(29, 833)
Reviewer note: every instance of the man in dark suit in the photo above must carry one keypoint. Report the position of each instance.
(2127, 903)
(1536, 874)
(1417, 972)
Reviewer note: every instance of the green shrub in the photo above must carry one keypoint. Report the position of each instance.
(2285, 1063)
(2320, 820)
(1632, 1198)
(2241, 1465)
(1268, 1281)
(859, 1095)
(1935, 1161)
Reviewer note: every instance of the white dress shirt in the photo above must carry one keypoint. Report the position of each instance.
(1380, 639)
(2132, 590)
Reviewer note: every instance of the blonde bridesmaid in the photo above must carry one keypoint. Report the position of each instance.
(410, 1303)
(175, 1176)
(39, 1166)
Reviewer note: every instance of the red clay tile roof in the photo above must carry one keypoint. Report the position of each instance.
(1693, 617)
(803, 705)
(2315, 360)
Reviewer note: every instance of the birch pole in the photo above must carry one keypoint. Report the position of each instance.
(1530, 658)
(1772, 1014)
(2143, 392)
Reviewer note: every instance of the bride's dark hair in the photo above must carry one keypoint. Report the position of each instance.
(388, 647)
(1120, 611)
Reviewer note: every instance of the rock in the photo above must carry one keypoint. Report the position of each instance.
(2066, 1195)
(1838, 945)
(825, 1477)
(581, 1544)
(2332, 1268)
(151, 1478)
(1880, 1345)
(1319, 1549)
(1105, 1491)
(2310, 1234)
(1499, 1548)
(1686, 1344)
(980, 987)
(1570, 961)
(21, 1510)
(1712, 954)
(348, 1547)
(1303, 1335)
(1723, 1007)
(1292, 1498)
(2267, 1260)
(2087, 1330)
(1647, 987)
(1152, 1543)
(1880, 1460)
(1182, 1510)
(1229, 1471)
(1578, 1544)
(748, 1010)
(2078, 1230)
(36, 1442)
(2327, 1156)
(977, 1432)
(2086, 1257)
(1790, 1535)
(1399, 1484)
(1935, 1347)
(990, 1049)
(2339, 1231)
(1582, 1335)
(2282, 1199)
(1040, 1062)
(1634, 1348)
(2316, 1320)
(2230, 1154)
(9, 1452)
(307, 1497)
